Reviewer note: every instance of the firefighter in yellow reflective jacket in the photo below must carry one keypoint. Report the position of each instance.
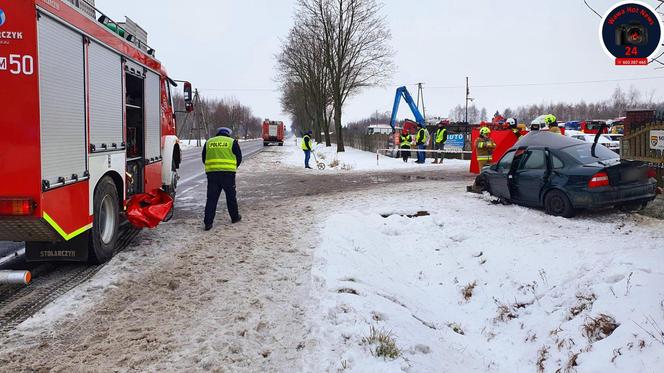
(552, 122)
(405, 142)
(484, 147)
(221, 156)
(439, 142)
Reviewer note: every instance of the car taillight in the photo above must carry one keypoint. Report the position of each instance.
(16, 206)
(652, 173)
(600, 179)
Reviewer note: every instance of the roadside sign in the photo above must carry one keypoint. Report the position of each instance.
(457, 140)
(657, 140)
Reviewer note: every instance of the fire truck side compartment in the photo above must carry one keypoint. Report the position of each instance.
(105, 70)
(152, 118)
(62, 98)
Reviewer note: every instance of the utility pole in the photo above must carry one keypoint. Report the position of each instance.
(420, 95)
(468, 98)
(200, 120)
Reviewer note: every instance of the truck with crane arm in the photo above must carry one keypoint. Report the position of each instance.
(88, 122)
(409, 125)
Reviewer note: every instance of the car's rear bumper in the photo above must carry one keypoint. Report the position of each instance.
(612, 196)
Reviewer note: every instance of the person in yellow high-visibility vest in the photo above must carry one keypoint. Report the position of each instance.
(221, 156)
(484, 147)
(405, 142)
(306, 148)
(439, 142)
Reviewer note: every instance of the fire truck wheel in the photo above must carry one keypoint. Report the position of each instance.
(106, 221)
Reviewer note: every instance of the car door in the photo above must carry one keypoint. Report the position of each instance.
(530, 177)
(498, 176)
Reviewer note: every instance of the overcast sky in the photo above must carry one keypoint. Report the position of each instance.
(227, 47)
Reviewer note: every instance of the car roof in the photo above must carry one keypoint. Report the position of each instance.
(546, 139)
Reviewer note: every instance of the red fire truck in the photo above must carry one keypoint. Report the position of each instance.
(273, 132)
(87, 122)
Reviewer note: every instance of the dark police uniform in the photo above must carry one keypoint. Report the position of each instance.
(221, 156)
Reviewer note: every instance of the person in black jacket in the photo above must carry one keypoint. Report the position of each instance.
(222, 156)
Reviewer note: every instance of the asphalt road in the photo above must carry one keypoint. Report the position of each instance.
(191, 172)
(191, 168)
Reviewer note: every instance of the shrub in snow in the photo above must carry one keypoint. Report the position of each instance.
(386, 346)
(600, 327)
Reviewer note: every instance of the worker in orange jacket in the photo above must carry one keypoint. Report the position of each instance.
(484, 147)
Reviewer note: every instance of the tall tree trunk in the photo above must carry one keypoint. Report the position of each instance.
(326, 129)
(317, 135)
(338, 128)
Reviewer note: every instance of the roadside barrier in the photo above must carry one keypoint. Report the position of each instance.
(446, 151)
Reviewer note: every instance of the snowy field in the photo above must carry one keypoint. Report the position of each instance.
(478, 287)
(448, 281)
(357, 160)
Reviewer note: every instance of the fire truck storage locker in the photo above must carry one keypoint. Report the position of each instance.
(106, 114)
(152, 118)
(62, 103)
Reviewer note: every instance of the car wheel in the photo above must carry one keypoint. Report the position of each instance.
(481, 184)
(106, 221)
(556, 203)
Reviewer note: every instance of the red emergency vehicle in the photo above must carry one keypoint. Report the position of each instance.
(592, 126)
(87, 122)
(273, 132)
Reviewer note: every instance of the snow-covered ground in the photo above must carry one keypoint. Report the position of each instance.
(479, 287)
(460, 285)
(358, 160)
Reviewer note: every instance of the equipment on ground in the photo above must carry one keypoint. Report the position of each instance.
(273, 132)
(87, 124)
(319, 164)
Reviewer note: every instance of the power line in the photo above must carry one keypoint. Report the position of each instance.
(547, 83)
(241, 89)
(591, 8)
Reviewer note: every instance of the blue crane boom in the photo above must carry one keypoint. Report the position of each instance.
(402, 92)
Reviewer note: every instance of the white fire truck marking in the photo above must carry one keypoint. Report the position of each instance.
(3, 63)
(11, 35)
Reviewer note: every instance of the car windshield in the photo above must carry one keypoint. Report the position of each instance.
(583, 153)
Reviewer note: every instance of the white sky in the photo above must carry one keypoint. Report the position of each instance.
(227, 47)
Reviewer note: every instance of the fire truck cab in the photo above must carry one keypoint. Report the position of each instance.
(88, 122)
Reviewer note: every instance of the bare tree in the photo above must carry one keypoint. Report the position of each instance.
(354, 40)
(302, 71)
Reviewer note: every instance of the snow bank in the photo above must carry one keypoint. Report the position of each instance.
(481, 287)
(358, 160)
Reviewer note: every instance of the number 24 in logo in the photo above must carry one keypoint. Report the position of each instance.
(631, 51)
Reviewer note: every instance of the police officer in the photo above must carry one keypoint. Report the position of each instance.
(306, 147)
(421, 140)
(484, 147)
(405, 141)
(221, 156)
(439, 143)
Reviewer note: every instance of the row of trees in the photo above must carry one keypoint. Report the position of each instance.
(613, 107)
(334, 49)
(226, 112)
